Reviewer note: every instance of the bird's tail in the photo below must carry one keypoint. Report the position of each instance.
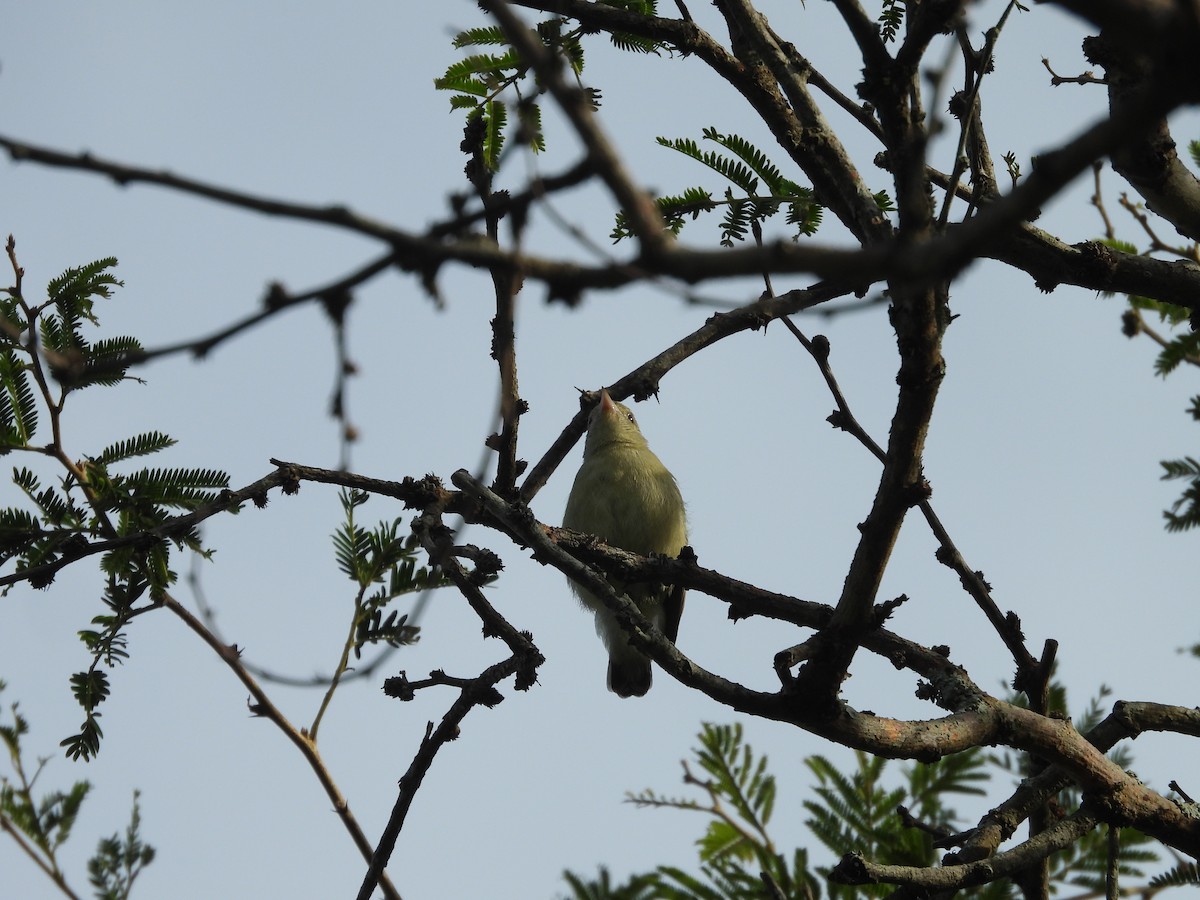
(629, 675)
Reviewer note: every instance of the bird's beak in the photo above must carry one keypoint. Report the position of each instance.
(606, 403)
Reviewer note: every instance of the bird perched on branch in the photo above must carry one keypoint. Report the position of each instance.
(624, 495)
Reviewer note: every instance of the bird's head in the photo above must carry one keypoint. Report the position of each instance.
(611, 423)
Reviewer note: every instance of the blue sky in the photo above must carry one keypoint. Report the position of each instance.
(1043, 454)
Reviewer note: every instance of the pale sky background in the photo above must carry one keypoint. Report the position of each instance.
(1043, 454)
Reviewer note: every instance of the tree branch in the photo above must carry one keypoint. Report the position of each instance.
(855, 869)
(478, 691)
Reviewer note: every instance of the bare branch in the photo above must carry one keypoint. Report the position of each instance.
(479, 691)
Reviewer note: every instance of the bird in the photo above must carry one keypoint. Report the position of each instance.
(625, 496)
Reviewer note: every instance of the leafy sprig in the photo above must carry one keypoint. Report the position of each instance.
(759, 191)
(479, 81)
(737, 856)
(47, 353)
(385, 557)
(119, 860)
(41, 825)
(1184, 513)
(1179, 875)
(383, 562)
(891, 17)
(46, 821)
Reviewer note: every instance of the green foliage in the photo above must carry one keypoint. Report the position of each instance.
(736, 221)
(638, 887)
(634, 43)
(119, 860)
(1168, 313)
(674, 210)
(892, 816)
(48, 823)
(1183, 346)
(487, 36)
(495, 118)
(40, 538)
(1185, 511)
(90, 689)
(737, 856)
(45, 823)
(72, 296)
(386, 557)
(856, 812)
(529, 114)
(75, 290)
(744, 782)
(477, 82)
(891, 17)
(1085, 862)
(95, 502)
(18, 408)
(378, 557)
(1184, 873)
(641, 7)
(82, 505)
(140, 445)
(759, 191)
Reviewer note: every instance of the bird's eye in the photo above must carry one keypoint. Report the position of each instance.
(631, 418)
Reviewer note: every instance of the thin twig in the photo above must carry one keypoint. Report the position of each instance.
(473, 692)
(643, 381)
(264, 707)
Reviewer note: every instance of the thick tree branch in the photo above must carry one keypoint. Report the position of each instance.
(919, 315)
(1148, 50)
(1047, 259)
(1095, 266)
(1149, 163)
(1127, 721)
(823, 158)
(1111, 792)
